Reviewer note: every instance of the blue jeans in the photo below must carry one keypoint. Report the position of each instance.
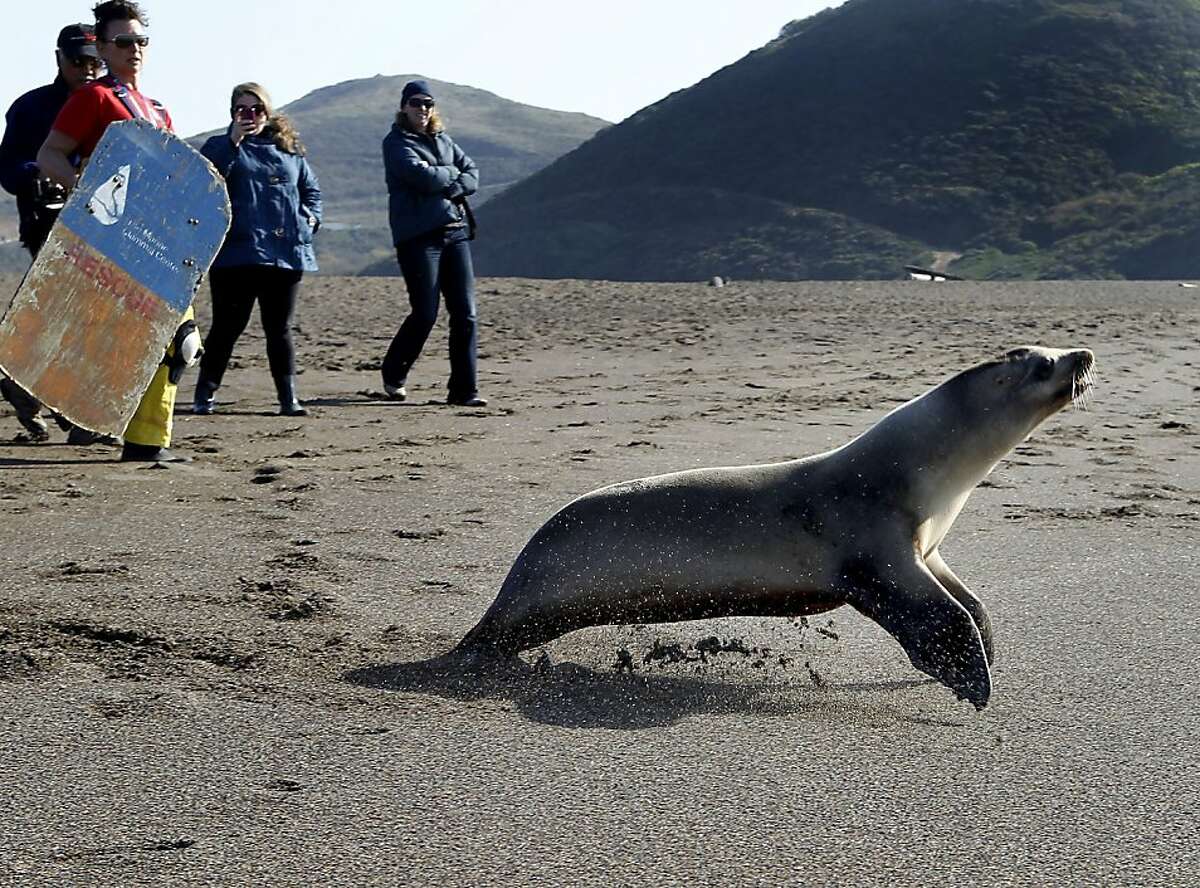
(438, 262)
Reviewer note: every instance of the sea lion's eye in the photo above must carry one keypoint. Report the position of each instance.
(1044, 369)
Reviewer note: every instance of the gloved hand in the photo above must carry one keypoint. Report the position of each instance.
(184, 351)
(48, 194)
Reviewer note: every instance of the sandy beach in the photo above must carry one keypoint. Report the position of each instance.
(204, 665)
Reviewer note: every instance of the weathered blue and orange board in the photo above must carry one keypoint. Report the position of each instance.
(89, 324)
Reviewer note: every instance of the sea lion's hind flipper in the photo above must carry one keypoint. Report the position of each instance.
(938, 634)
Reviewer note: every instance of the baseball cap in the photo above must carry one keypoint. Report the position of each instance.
(78, 41)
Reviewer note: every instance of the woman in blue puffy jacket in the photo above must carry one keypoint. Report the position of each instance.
(276, 204)
(428, 179)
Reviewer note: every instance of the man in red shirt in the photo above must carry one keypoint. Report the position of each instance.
(122, 41)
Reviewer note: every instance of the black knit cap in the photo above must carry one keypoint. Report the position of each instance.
(78, 41)
(414, 88)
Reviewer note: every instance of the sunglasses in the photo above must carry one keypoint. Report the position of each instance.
(421, 103)
(248, 110)
(125, 41)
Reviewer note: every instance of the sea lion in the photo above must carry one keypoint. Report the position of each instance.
(859, 525)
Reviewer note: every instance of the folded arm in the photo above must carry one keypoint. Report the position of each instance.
(417, 173)
(467, 181)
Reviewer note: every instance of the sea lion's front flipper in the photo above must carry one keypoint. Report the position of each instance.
(964, 596)
(938, 634)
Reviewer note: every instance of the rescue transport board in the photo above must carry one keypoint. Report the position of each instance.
(90, 322)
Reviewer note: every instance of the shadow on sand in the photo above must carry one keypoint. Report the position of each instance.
(181, 410)
(17, 463)
(573, 696)
(365, 400)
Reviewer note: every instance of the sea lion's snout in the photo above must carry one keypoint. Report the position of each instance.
(1083, 376)
(1065, 376)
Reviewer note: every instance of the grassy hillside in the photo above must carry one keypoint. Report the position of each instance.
(13, 260)
(960, 125)
(678, 237)
(1144, 228)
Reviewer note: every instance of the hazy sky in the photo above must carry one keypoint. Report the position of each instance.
(608, 59)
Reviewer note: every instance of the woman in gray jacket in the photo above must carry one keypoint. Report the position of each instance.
(276, 204)
(428, 179)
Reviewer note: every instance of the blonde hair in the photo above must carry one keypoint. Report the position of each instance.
(279, 128)
(432, 128)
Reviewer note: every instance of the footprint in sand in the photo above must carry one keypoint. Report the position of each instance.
(267, 474)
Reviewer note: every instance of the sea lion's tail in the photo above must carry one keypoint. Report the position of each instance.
(510, 625)
(482, 647)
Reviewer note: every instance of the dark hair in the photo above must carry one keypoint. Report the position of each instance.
(117, 11)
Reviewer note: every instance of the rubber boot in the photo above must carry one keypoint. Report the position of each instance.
(202, 403)
(131, 452)
(289, 405)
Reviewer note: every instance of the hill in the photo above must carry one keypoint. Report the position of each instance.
(1011, 131)
(343, 126)
(13, 258)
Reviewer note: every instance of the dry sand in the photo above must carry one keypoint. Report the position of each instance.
(199, 662)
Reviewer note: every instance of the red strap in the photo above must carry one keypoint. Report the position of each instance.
(132, 105)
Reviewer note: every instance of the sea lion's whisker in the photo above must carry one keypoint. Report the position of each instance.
(1083, 385)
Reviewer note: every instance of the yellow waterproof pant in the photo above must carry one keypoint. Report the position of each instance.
(151, 423)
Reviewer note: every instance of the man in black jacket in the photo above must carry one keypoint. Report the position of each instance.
(27, 123)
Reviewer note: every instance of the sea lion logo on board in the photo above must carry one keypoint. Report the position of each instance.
(107, 203)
